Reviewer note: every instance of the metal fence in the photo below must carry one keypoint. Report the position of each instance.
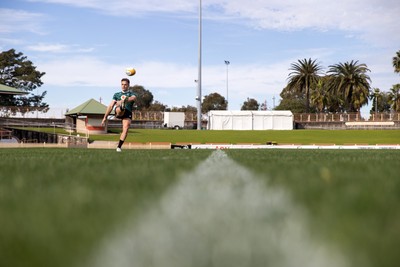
(344, 117)
(159, 116)
(384, 117)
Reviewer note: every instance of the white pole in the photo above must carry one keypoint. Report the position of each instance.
(198, 98)
(227, 78)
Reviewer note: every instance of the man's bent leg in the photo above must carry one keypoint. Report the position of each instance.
(119, 113)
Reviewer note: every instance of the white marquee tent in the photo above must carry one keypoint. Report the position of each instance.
(250, 120)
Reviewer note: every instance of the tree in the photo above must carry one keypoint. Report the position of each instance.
(250, 104)
(318, 97)
(157, 106)
(323, 100)
(304, 77)
(380, 101)
(188, 109)
(394, 97)
(144, 97)
(292, 100)
(396, 62)
(18, 72)
(213, 102)
(350, 82)
(292, 104)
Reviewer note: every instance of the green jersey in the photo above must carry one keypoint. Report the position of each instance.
(118, 97)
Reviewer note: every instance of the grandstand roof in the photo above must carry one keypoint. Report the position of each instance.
(7, 90)
(90, 107)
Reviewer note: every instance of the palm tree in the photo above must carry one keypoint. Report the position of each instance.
(396, 62)
(394, 97)
(318, 97)
(351, 83)
(304, 77)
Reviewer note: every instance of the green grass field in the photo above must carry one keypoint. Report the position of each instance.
(305, 137)
(57, 205)
(352, 198)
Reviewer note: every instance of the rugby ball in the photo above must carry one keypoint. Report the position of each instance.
(130, 71)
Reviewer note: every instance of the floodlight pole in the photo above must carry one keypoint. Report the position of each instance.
(198, 97)
(227, 101)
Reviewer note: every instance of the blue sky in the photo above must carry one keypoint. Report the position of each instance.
(84, 46)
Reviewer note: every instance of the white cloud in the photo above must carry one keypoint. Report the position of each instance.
(12, 20)
(373, 20)
(90, 71)
(47, 47)
(82, 71)
(8, 42)
(58, 48)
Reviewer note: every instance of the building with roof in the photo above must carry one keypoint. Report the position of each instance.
(87, 117)
(7, 90)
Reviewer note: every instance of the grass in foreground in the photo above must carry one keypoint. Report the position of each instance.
(352, 197)
(56, 204)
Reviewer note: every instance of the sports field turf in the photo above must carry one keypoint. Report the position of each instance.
(305, 137)
(60, 207)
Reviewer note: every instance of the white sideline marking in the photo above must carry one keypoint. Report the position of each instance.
(218, 215)
(255, 146)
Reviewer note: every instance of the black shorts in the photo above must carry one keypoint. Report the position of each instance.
(127, 115)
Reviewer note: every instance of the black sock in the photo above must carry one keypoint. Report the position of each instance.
(121, 142)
